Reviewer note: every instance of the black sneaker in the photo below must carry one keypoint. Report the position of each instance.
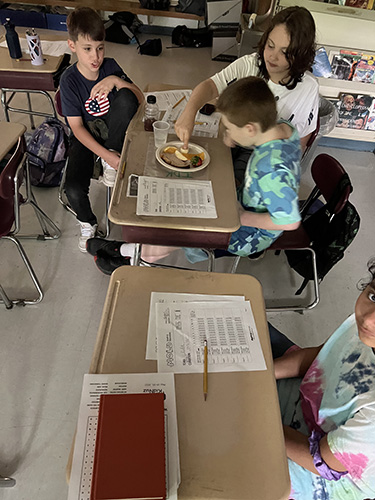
(106, 247)
(108, 264)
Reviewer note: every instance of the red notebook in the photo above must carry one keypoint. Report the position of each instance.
(129, 458)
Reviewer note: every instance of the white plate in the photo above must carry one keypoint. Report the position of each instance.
(193, 149)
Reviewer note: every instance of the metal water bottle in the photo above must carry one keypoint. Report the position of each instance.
(13, 41)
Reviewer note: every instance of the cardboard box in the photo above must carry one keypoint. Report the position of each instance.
(224, 44)
(56, 22)
(225, 13)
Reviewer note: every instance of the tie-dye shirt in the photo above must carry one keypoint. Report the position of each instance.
(338, 397)
(271, 185)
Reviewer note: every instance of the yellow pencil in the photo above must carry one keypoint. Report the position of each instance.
(178, 102)
(205, 381)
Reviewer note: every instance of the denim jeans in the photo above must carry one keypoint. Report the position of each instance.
(81, 159)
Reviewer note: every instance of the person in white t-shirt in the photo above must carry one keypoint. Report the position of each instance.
(286, 52)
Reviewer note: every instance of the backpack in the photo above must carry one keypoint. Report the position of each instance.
(330, 235)
(197, 7)
(186, 37)
(47, 153)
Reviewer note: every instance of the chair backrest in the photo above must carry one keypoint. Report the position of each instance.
(311, 140)
(8, 205)
(58, 105)
(9, 172)
(327, 173)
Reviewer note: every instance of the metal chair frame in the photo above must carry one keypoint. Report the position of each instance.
(138, 261)
(49, 228)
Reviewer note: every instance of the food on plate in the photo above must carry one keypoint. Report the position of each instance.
(184, 150)
(176, 158)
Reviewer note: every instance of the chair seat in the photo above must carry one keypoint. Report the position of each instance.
(291, 239)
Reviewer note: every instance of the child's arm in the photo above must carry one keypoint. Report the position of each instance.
(263, 221)
(105, 86)
(84, 136)
(295, 363)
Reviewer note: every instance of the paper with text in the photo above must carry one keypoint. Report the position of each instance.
(229, 328)
(84, 445)
(175, 198)
(166, 99)
(175, 298)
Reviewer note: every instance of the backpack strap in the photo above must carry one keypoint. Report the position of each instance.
(340, 188)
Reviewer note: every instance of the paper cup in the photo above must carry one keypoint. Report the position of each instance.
(161, 130)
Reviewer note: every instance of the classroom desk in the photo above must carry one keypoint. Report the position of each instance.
(22, 76)
(231, 446)
(9, 133)
(176, 231)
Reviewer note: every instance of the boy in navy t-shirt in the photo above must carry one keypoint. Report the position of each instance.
(96, 95)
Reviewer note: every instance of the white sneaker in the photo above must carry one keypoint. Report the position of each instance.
(109, 174)
(87, 231)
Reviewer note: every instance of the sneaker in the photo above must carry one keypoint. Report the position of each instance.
(109, 174)
(106, 247)
(108, 264)
(87, 231)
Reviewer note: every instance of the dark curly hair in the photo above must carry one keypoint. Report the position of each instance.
(363, 283)
(300, 54)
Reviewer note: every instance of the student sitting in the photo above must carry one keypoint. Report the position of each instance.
(94, 91)
(328, 408)
(284, 59)
(268, 199)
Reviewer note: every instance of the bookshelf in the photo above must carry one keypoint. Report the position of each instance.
(340, 27)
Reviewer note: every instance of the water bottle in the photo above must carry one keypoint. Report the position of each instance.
(151, 112)
(13, 41)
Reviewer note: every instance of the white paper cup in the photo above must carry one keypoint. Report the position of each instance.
(161, 130)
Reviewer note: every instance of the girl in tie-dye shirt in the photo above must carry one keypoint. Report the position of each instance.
(330, 426)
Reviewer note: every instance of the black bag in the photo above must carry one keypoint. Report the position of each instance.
(47, 152)
(330, 236)
(197, 7)
(155, 4)
(186, 37)
(122, 27)
(151, 47)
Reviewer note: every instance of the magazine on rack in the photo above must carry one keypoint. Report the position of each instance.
(344, 63)
(365, 70)
(356, 111)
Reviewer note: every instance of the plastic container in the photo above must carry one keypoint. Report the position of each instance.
(13, 41)
(151, 112)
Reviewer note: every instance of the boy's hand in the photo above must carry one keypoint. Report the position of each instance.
(112, 158)
(104, 87)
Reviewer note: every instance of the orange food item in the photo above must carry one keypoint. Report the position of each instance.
(170, 149)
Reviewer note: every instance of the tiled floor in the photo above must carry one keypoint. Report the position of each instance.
(46, 349)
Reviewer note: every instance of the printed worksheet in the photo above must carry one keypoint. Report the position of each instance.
(168, 98)
(84, 445)
(175, 298)
(228, 327)
(175, 198)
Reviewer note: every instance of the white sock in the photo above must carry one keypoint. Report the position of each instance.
(127, 250)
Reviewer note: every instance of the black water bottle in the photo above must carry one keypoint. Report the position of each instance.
(13, 41)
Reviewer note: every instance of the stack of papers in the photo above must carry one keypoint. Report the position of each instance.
(84, 447)
(175, 198)
(179, 324)
(173, 102)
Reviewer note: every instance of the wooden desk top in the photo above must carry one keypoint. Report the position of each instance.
(9, 133)
(50, 65)
(231, 446)
(220, 171)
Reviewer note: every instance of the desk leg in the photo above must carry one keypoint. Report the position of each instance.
(137, 254)
(32, 123)
(4, 104)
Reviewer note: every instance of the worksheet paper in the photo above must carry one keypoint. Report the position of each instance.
(168, 98)
(175, 298)
(175, 198)
(229, 328)
(84, 445)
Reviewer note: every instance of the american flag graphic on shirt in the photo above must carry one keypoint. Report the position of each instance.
(98, 106)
